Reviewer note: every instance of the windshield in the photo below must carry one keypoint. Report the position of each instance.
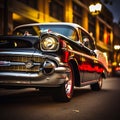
(65, 30)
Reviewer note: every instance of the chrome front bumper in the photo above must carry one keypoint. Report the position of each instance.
(50, 70)
(59, 76)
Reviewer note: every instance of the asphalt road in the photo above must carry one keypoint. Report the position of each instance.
(30, 104)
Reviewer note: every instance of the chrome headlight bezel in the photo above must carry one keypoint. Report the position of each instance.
(49, 43)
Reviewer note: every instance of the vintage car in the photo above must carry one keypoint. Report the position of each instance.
(57, 56)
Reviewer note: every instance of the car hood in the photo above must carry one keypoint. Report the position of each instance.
(18, 45)
(18, 41)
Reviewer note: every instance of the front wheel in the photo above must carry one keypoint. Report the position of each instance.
(97, 86)
(65, 91)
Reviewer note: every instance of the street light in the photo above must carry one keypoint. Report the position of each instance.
(117, 47)
(95, 9)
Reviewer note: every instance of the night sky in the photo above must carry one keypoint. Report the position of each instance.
(114, 8)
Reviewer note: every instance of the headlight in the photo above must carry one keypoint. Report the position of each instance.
(49, 43)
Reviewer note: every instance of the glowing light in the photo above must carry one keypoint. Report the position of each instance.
(116, 47)
(95, 9)
(92, 8)
(98, 7)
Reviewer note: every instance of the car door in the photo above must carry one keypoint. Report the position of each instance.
(87, 63)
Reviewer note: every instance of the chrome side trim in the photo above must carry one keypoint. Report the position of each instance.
(8, 63)
(15, 53)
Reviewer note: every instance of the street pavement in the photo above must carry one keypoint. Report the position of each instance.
(31, 104)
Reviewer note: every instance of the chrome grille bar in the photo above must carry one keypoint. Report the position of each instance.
(17, 63)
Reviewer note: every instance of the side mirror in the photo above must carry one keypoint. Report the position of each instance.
(86, 41)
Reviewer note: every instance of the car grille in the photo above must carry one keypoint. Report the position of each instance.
(20, 59)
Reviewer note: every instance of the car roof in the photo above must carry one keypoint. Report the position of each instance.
(51, 23)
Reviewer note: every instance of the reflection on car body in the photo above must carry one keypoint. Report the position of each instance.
(51, 55)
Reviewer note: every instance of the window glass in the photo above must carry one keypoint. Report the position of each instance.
(65, 30)
(77, 13)
(108, 39)
(87, 40)
(31, 30)
(91, 25)
(31, 3)
(101, 32)
(57, 9)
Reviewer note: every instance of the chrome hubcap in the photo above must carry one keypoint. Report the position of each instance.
(68, 85)
(100, 82)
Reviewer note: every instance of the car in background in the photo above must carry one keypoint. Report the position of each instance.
(116, 70)
(55, 56)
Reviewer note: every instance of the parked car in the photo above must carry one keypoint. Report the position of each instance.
(116, 70)
(55, 56)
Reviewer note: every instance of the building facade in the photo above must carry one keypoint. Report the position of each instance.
(16, 12)
(116, 42)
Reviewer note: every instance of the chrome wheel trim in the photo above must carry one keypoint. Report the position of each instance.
(100, 82)
(69, 85)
